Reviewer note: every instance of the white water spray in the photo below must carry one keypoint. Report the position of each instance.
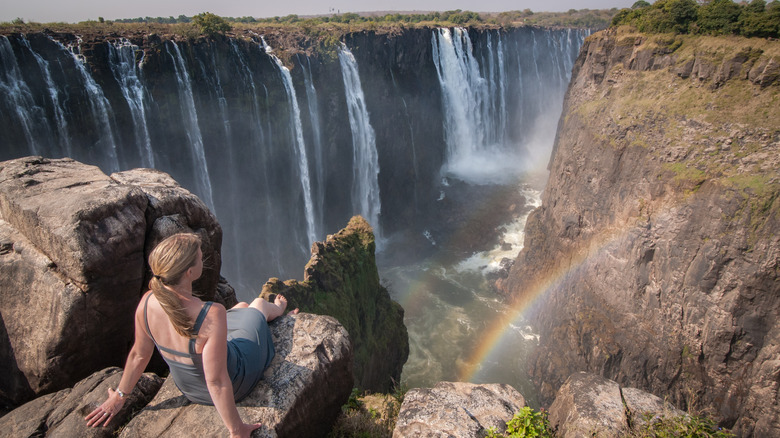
(300, 146)
(190, 117)
(123, 66)
(365, 186)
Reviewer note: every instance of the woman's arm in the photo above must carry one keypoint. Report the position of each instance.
(217, 378)
(139, 356)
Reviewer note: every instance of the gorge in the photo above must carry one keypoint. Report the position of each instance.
(285, 140)
(651, 254)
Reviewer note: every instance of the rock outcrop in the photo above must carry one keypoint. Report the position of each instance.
(589, 405)
(62, 413)
(655, 251)
(457, 409)
(300, 395)
(342, 280)
(74, 243)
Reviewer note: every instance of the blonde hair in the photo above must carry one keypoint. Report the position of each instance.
(169, 260)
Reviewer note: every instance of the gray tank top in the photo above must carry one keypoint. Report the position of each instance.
(250, 349)
(189, 378)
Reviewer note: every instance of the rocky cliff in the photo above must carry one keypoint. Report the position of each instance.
(654, 255)
(341, 280)
(73, 247)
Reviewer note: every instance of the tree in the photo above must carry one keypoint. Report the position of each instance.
(719, 17)
(211, 24)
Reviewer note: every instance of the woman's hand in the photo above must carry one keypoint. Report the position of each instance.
(245, 431)
(106, 412)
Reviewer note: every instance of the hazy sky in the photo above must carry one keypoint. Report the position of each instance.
(79, 10)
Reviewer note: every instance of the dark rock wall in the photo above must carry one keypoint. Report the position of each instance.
(655, 251)
(130, 105)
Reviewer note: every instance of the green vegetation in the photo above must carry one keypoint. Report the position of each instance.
(526, 423)
(714, 17)
(679, 426)
(530, 423)
(369, 415)
(320, 25)
(210, 24)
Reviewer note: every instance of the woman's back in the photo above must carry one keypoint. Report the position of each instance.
(164, 334)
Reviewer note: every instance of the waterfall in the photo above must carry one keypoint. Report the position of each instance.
(123, 66)
(20, 96)
(365, 185)
(223, 118)
(473, 131)
(54, 100)
(187, 105)
(300, 146)
(314, 117)
(101, 112)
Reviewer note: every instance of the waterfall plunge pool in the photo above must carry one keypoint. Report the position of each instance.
(452, 312)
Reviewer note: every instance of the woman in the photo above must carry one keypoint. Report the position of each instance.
(215, 356)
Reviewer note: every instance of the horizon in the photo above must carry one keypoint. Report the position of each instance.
(48, 11)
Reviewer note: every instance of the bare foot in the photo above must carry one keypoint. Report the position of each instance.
(281, 301)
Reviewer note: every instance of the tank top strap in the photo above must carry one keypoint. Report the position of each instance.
(148, 330)
(198, 322)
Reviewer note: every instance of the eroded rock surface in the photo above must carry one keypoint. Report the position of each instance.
(61, 414)
(589, 405)
(300, 395)
(456, 409)
(73, 245)
(655, 251)
(341, 280)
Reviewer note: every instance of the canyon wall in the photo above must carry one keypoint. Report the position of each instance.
(653, 259)
(285, 139)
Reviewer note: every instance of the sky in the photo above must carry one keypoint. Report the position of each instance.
(72, 11)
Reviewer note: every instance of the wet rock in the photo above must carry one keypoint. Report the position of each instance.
(456, 409)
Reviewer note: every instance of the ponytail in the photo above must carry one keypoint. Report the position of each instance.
(169, 260)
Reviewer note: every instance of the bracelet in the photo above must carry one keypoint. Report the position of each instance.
(121, 394)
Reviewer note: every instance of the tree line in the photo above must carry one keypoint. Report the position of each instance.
(711, 17)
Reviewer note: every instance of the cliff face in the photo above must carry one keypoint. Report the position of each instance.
(655, 251)
(341, 280)
(264, 134)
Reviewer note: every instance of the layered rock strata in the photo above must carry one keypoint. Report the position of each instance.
(655, 251)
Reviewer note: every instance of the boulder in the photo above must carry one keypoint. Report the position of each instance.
(301, 393)
(173, 209)
(72, 265)
(588, 405)
(73, 245)
(61, 414)
(643, 407)
(456, 409)
(341, 280)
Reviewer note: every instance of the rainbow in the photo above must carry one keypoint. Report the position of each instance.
(494, 334)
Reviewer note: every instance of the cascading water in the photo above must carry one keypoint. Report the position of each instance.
(222, 117)
(314, 118)
(300, 146)
(190, 117)
(101, 111)
(365, 186)
(19, 96)
(123, 66)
